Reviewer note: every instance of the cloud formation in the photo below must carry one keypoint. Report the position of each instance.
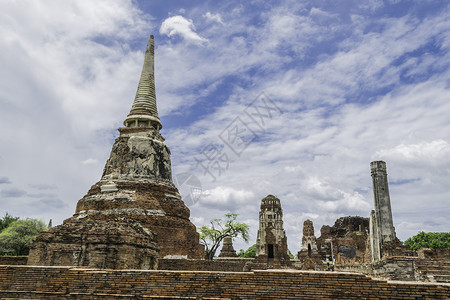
(178, 25)
(355, 82)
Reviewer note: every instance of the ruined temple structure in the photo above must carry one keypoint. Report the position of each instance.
(135, 210)
(227, 248)
(383, 240)
(271, 242)
(309, 254)
(346, 242)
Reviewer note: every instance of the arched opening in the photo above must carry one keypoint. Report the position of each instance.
(270, 251)
(309, 250)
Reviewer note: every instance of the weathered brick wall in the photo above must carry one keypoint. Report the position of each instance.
(425, 253)
(13, 260)
(226, 265)
(404, 269)
(66, 282)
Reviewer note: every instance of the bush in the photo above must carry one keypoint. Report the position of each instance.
(16, 239)
(435, 240)
(249, 253)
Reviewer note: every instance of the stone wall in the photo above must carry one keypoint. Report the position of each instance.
(443, 254)
(225, 264)
(404, 269)
(67, 282)
(13, 260)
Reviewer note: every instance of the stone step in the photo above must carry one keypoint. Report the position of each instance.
(442, 278)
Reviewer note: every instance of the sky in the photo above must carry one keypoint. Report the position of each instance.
(289, 98)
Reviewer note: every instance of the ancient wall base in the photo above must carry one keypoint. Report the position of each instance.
(72, 283)
(13, 260)
(221, 264)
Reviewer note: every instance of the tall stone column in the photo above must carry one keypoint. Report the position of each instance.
(382, 225)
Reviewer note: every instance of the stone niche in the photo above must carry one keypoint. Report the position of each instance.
(111, 244)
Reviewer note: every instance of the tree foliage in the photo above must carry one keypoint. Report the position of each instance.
(435, 240)
(16, 239)
(6, 221)
(249, 253)
(211, 236)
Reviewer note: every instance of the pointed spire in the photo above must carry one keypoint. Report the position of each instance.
(144, 112)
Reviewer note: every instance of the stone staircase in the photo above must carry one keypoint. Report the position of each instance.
(433, 270)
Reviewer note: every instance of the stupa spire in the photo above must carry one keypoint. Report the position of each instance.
(144, 112)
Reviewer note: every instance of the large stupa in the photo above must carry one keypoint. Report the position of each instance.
(134, 214)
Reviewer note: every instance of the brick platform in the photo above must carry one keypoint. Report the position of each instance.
(71, 283)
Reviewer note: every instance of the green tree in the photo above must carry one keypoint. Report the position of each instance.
(211, 236)
(249, 253)
(16, 239)
(435, 240)
(6, 221)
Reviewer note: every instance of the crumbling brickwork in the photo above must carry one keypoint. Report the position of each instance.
(309, 255)
(343, 243)
(65, 282)
(111, 244)
(227, 248)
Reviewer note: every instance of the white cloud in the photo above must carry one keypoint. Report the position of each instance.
(221, 196)
(178, 25)
(426, 153)
(90, 161)
(214, 17)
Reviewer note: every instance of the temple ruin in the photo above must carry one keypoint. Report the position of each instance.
(271, 242)
(134, 197)
(227, 248)
(134, 218)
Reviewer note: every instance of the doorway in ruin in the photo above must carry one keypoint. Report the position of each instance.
(270, 251)
(309, 250)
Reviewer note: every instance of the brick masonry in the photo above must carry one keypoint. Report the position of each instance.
(72, 283)
(221, 264)
(13, 260)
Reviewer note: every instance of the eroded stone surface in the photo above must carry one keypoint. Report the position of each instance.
(111, 244)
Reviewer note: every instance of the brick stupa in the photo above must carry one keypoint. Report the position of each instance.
(134, 201)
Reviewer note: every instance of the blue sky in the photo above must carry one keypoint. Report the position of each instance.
(345, 82)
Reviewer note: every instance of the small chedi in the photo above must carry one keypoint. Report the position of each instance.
(227, 248)
(271, 243)
(134, 214)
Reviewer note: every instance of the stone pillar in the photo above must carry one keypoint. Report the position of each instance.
(382, 225)
(374, 237)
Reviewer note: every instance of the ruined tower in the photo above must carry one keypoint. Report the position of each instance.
(381, 223)
(135, 196)
(271, 242)
(227, 248)
(309, 243)
(309, 254)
